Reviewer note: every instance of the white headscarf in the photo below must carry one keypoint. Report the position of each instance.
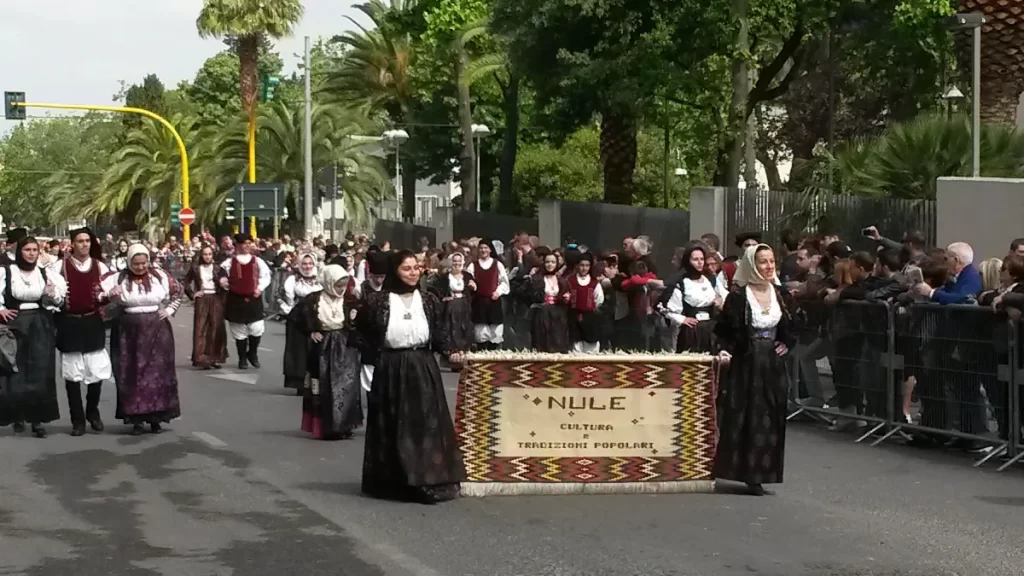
(138, 250)
(330, 311)
(316, 262)
(746, 268)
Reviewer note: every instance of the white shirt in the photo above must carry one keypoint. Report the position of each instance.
(295, 289)
(136, 300)
(244, 259)
(28, 288)
(457, 285)
(207, 278)
(760, 318)
(407, 324)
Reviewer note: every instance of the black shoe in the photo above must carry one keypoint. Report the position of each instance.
(254, 348)
(92, 406)
(243, 350)
(138, 430)
(38, 431)
(78, 429)
(19, 427)
(758, 490)
(154, 427)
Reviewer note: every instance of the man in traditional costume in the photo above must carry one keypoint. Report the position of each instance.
(81, 334)
(585, 297)
(14, 235)
(247, 277)
(491, 284)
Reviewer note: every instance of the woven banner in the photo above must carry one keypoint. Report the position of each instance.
(562, 424)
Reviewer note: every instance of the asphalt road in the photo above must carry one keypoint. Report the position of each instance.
(234, 488)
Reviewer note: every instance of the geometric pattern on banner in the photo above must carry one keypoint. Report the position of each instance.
(478, 416)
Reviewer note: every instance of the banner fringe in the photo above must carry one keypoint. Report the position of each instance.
(611, 356)
(483, 489)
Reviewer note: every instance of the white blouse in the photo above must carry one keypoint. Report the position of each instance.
(551, 286)
(135, 299)
(263, 270)
(29, 288)
(456, 285)
(207, 278)
(760, 318)
(407, 324)
(294, 289)
(698, 293)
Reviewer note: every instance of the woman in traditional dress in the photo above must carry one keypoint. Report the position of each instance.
(549, 295)
(491, 284)
(411, 451)
(296, 337)
(30, 297)
(376, 272)
(692, 302)
(147, 389)
(119, 261)
(332, 406)
(754, 331)
(209, 335)
(455, 289)
(585, 297)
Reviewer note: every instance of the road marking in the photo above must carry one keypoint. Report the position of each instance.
(266, 349)
(210, 439)
(182, 326)
(232, 377)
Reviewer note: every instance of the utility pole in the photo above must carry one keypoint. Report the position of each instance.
(334, 206)
(308, 145)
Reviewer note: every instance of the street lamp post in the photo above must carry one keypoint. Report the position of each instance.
(396, 138)
(973, 21)
(479, 131)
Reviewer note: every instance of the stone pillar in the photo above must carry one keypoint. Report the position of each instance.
(707, 212)
(549, 222)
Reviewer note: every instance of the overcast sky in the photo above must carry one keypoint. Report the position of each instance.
(77, 51)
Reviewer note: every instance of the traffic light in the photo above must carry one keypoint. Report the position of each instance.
(229, 209)
(175, 210)
(12, 112)
(267, 85)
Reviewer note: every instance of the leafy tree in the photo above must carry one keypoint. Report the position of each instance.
(607, 59)
(375, 72)
(246, 26)
(906, 160)
(150, 95)
(40, 157)
(213, 94)
(149, 164)
(364, 182)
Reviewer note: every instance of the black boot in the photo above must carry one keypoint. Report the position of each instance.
(92, 406)
(254, 348)
(243, 359)
(74, 390)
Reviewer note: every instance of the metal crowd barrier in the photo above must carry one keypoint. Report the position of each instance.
(947, 363)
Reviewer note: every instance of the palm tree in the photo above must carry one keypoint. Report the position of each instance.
(1002, 61)
(149, 164)
(365, 182)
(375, 71)
(246, 25)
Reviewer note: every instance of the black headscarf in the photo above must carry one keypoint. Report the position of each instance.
(686, 268)
(392, 282)
(19, 259)
(377, 263)
(14, 235)
(95, 248)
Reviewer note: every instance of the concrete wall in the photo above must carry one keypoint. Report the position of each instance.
(987, 213)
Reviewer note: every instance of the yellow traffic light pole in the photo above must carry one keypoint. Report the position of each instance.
(185, 229)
